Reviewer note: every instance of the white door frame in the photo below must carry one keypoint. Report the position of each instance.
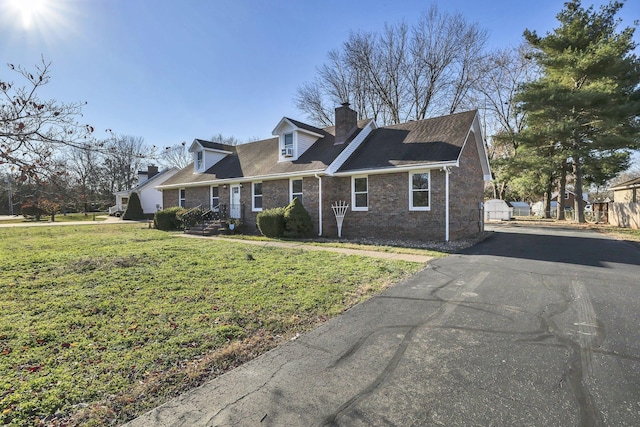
(234, 201)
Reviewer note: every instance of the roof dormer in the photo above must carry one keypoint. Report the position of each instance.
(294, 138)
(207, 154)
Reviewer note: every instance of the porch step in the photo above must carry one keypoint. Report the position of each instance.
(207, 228)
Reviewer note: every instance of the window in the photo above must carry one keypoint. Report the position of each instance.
(287, 147)
(359, 193)
(215, 199)
(182, 197)
(288, 140)
(257, 196)
(199, 160)
(296, 189)
(419, 194)
(566, 196)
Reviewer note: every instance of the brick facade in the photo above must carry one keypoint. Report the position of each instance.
(388, 215)
(466, 192)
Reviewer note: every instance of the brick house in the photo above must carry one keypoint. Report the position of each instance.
(420, 180)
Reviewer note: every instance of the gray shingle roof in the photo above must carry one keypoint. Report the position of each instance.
(432, 140)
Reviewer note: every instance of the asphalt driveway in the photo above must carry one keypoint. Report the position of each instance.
(534, 326)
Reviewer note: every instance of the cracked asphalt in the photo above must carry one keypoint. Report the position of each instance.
(535, 326)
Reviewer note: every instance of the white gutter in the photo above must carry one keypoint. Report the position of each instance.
(446, 170)
(319, 204)
(239, 180)
(404, 168)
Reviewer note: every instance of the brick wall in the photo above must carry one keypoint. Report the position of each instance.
(388, 216)
(466, 190)
(169, 198)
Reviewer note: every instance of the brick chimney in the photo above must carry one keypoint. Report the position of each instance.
(152, 171)
(148, 174)
(346, 123)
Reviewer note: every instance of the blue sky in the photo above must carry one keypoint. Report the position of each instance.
(171, 71)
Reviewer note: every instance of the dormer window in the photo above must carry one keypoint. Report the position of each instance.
(287, 149)
(294, 139)
(199, 160)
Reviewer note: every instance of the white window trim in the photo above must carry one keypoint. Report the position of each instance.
(182, 202)
(199, 162)
(253, 197)
(291, 194)
(211, 196)
(418, 208)
(293, 145)
(353, 193)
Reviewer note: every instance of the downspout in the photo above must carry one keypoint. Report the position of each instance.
(319, 204)
(446, 202)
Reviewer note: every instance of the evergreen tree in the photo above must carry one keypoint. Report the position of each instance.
(134, 208)
(585, 107)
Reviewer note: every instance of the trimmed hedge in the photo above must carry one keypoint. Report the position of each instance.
(169, 219)
(271, 222)
(297, 220)
(134, 208)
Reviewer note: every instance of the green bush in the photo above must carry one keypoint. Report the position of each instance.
(271, 222)
(134, 208)
(29, 210)
(168, 219)
(297, 220)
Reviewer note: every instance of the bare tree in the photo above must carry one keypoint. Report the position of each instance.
(125, 155)
(400, 73)
(176, 156)
(32, 130)
(501, 75)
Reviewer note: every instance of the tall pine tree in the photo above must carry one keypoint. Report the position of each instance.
(586, 104)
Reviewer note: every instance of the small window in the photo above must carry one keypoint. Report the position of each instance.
(182, 197)
(215, 199)
(288, 140)
(419, 194)
(360, 193)
(566, 196)
(199, 160)
(296, 190)
(257, 196)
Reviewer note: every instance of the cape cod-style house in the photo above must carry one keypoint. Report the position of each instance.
(420, 180)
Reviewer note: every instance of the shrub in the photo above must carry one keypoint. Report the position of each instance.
(271, 222)
(297, 220)
(168, 219)
(29, 210)
(134, 208)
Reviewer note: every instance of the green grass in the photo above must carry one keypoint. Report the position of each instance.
(348, 245)
(100, 323)
(97, 216)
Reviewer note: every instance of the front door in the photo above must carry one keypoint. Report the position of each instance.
(234, 210)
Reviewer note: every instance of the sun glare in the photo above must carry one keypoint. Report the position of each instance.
(29, 10)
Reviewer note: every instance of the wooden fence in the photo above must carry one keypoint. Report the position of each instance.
(625, 215)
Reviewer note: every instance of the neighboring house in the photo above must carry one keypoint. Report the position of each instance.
(570, 198)
(625, 209)
(418, 180)
(627, 192)
(150, 196)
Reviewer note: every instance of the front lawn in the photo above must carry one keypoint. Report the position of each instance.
(101, 323)
(91, 216)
